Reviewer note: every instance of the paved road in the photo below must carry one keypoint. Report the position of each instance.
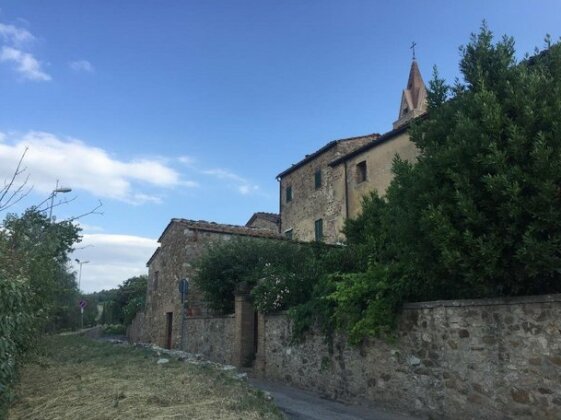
(298, 404)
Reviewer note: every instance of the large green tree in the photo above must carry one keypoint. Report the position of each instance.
(36, 289)
(479, 213)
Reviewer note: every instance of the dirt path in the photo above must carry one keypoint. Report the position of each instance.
(298, 404)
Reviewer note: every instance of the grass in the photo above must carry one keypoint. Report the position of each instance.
(78, 378)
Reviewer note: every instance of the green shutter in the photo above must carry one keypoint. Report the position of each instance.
(319, 230)
(318, 179)
(288, 194)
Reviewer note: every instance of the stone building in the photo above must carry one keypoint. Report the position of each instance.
(318, 193)
(181, 243)
(262, 220)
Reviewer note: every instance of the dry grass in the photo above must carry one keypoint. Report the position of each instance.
(77, 378)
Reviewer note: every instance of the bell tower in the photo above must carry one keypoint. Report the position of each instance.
(414, 97)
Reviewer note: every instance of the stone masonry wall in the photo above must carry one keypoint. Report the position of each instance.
(484, 359)
(135, 331)
(309, 204)
(211, 336)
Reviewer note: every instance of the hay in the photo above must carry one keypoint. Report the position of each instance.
(78, 378)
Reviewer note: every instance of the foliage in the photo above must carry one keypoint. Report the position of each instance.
(36, 290)
(479, 214)
(121, 305)
(114, 329)
(280, 274)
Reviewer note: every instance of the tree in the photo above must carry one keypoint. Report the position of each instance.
(479, 214)
(280, 274)
(36, 290)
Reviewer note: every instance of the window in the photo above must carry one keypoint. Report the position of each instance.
(288, 234)
(288, 194)
(361, 172)
(317, 179)
(156, 278)
(319, 230)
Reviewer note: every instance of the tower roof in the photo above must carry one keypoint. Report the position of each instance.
(413, 98)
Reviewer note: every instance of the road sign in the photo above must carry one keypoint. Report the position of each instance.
(184, 286)
(83, 304)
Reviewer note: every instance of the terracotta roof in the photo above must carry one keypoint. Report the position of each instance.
(378, 141)
(204, 226)
(270, 217)
(324, 149)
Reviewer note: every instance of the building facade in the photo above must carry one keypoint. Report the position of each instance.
(321, 191)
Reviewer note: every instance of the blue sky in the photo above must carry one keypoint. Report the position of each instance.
(189, 109)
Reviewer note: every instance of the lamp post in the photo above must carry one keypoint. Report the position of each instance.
(80, 272)
(56, 191)
(79, 290)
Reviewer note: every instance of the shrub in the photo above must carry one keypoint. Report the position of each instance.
(479, 214)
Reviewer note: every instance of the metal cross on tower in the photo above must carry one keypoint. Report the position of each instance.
(413, 45)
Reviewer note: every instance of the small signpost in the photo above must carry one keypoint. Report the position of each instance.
(82, 304)
(183, 289)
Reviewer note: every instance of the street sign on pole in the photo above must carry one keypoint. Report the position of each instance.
(184, 286)
(82, 304)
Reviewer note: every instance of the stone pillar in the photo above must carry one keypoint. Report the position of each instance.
(244, 346)
(260, 359)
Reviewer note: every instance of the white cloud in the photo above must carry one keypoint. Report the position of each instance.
(14, 39)
(240, 184)
(186, 160)
(26, 64)
(85, 167)
(81, 66)
(112, 259)
(14, 35)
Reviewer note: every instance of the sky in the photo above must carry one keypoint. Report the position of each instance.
(189, 109)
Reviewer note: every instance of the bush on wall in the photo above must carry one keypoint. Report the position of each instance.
(479, 214)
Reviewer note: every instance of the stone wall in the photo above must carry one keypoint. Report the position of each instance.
(484, 359)
(211, 336)
(135, 331)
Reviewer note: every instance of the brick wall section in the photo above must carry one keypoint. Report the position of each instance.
(244, 345)
(483, 359)
(211, 336)
(181, 244)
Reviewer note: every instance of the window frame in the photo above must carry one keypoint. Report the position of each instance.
(361, 172)
(318, 230)
(317, 179)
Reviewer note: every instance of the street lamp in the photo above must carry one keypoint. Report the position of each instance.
(80, 272)
(57, 190)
